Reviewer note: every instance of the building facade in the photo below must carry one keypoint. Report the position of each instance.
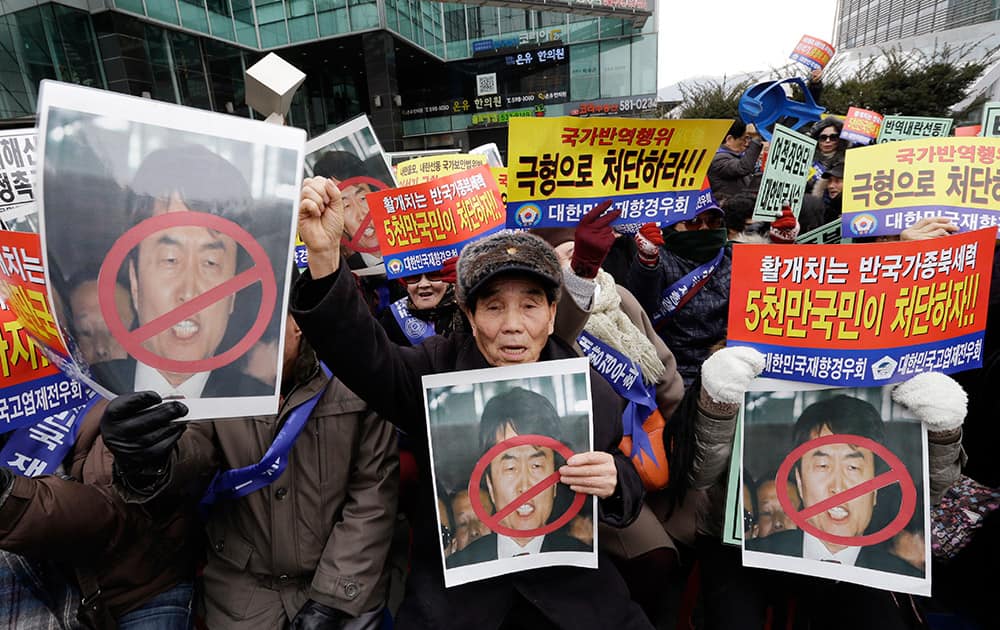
(429, 74)
(871, 22)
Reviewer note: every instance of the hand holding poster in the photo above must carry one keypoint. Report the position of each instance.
(861, 126)
(784, 181)
(184, 220)
(559, 168)
(17, 179)
(422, 225)
(501, 466)
(812, 52)
(908, 127)
(32, 388)
(889, 187)
(866, 314)
(845, 471)
(428, 167)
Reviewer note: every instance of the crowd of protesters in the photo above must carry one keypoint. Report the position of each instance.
(349, 534)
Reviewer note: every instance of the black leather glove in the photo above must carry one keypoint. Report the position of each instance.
(138, 431)
(316, 616)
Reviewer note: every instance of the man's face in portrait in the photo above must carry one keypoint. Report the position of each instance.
(92, 335)
(514, 472)
(355, 215)
(468, 527)
(771, 516)
(830, 470)
(173, 266)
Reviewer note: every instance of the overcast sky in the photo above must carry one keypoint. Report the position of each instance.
(716, 37)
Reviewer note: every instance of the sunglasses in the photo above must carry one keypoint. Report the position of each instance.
(829, 137)
(712, 222)
(434, 276)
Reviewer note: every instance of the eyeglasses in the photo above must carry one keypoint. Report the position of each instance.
(434, 276)
(712, 222)
(829, 137)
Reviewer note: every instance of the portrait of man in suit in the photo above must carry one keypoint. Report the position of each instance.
(177, 264)
(510, 474)
(830, 470)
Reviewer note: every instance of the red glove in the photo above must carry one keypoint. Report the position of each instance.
(593, 241)
(449, 270)
(648, 239)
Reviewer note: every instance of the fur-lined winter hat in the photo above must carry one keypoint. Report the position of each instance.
(513, 253)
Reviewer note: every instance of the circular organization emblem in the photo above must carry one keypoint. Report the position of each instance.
(863, 224)
(415, 327)
(528, 215)
(394, 265)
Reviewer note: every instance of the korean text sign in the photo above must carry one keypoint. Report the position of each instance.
(428, 167)
(559, 168)
(861, 126)
(788, 162)
(812, 52)
(32, 388)
(17, 173)
(907, 127)
(889, 187)
(422, 225)
(863, 315)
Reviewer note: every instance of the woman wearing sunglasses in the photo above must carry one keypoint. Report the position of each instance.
(429, 307)
(829, 146)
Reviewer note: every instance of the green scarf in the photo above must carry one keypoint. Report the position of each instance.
(699, 246)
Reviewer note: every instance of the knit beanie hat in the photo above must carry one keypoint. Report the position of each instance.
(785, 229)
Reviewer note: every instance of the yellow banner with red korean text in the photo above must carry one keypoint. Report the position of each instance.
(889, 187)
(653, 170)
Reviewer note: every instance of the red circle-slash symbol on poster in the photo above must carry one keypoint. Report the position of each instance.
(355, 240)
(132, 341)
(493, 520)
(897, 474)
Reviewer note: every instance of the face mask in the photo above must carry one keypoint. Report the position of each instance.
(699, 246)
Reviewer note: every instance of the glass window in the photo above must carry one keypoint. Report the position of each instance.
(413, 127)
(225, 77)
(302, 28)
(166, 11)
(644, 65)
(438, 124)
(513, 20)
(191, 82)
(582, 28)
(405, 10)
(454, 31)
(130, 5)
(612, 27)
(616, 68)
(269, 11)
(483, 22)
(193, 15)
(549, 18)
(364, 14)
(334, 22)
(584, 72)
(273, 34)
(243, 19)
(298, 8)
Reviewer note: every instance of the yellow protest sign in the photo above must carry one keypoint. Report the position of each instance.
(889, 187)
(428, 167)
(560, 167)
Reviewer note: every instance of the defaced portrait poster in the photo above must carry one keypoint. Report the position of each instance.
(352, 157)
(497, 438)
(838, 482)
(169, 230)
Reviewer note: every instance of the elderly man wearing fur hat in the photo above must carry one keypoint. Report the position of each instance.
(507, 286)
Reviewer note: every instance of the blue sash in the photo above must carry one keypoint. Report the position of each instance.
(239, 482)
(38, 449)
(677, 294)
(415, 329)
(625, 377)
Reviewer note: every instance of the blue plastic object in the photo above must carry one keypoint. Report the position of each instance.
(766, 103)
